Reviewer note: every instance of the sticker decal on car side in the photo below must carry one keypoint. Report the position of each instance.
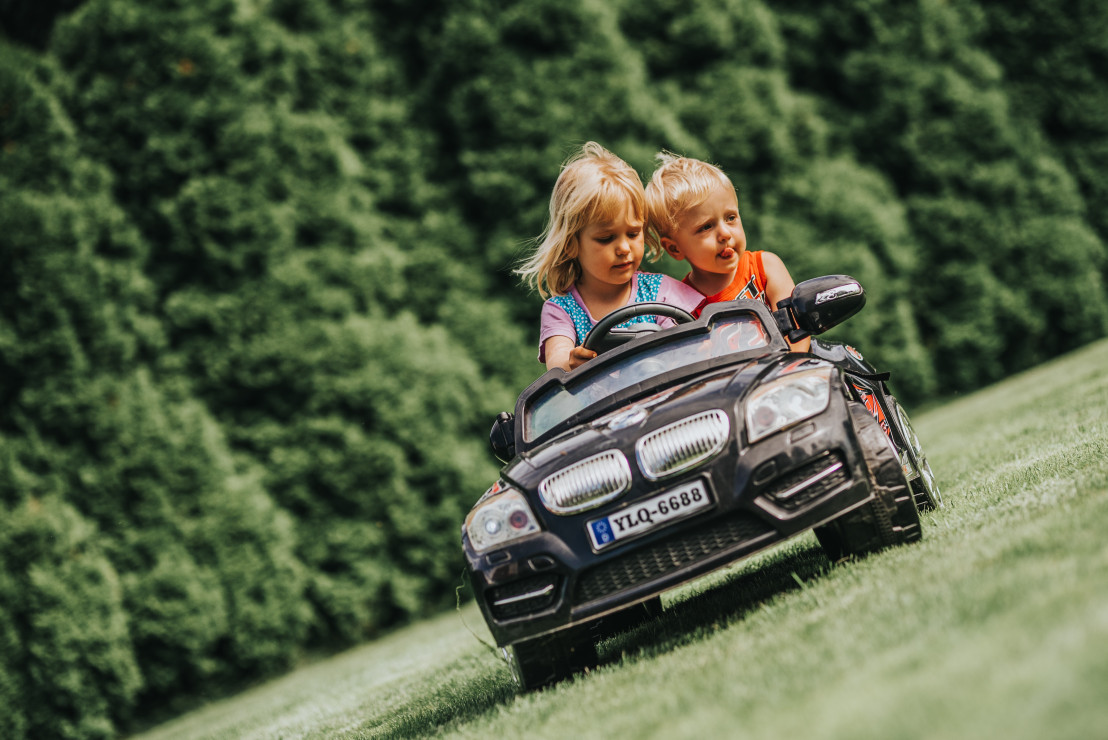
(874, 407)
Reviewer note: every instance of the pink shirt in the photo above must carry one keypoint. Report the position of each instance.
(555, 322)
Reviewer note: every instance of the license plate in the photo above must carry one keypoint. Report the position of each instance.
(644, 516)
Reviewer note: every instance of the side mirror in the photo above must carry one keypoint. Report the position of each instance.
(818, 304)
(502, 437)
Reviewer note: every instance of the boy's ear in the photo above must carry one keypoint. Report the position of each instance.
(672, 249)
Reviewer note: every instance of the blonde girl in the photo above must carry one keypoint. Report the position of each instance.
(587, 260)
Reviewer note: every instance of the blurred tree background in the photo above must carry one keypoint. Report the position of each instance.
(256, 301)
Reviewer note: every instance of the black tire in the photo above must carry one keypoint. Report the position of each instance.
(546, 660)
(924, 486)
(891, 518)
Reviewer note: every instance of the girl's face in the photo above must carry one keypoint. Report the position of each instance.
(611, 251)
(710, 235)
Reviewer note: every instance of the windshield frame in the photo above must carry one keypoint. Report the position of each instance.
(712, 314)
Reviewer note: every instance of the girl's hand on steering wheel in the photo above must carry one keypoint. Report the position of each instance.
(578, 356)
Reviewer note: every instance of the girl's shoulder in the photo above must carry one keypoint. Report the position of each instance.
(566, 302)
(655, 278)
(671, 290)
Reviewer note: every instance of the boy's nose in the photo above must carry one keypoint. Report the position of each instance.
(724, 233)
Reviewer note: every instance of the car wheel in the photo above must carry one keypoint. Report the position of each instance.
(891, 518)
(546, 660)
(924, 486)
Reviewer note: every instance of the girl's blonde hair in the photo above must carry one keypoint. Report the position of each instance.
(594, 186)
(678, 184)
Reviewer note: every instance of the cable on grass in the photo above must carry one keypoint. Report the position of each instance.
(458, 607)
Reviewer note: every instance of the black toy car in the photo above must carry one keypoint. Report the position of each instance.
(676, 452)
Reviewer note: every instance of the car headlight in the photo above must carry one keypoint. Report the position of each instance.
(499, 518)
(786, 401)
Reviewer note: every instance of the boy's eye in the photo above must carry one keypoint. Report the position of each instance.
(705, 227)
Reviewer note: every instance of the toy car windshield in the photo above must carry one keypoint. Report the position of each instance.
(730, 334)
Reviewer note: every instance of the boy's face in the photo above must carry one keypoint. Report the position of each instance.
(610, 252)
(710, 235)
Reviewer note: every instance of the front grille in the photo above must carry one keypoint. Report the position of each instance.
(809, 482)
(647, 563)
(586, 484)
(683, 444)
(525, 596)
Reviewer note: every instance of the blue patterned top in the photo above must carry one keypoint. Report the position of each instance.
(646, 291)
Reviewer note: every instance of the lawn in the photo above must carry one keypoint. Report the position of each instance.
(995, 625)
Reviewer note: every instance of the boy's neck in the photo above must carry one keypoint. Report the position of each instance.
(710, 283)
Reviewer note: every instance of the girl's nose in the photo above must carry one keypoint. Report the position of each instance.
(623, 246)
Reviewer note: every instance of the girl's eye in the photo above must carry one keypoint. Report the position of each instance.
(632, 234)
(605, 239)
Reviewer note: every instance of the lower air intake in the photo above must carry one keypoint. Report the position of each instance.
(809, 482)
(647, 563)
(525, 596)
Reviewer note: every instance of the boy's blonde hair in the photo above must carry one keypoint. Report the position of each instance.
(678, 184)
(594, 186)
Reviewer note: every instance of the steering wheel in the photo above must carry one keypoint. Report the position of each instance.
(599, 337)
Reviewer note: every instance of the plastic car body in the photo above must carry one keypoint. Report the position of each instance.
(677, 453)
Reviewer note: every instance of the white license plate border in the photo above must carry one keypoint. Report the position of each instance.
(704, 482)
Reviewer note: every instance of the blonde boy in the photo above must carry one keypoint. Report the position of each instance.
(693, 214)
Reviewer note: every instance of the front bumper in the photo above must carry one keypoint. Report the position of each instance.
(764, 494)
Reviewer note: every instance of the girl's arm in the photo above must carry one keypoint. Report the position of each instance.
(560, 352)
(779, 284)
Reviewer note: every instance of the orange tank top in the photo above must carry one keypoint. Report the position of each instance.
(749, 282)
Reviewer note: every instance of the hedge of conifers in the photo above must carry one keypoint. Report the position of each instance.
(256, 307)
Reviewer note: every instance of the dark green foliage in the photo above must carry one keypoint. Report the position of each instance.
(30, 21)
(1000, 223)
(256, 301)
(1062, 84)
(68, 665)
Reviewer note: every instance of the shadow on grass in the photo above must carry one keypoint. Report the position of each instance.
(466, 697)
(729, 602)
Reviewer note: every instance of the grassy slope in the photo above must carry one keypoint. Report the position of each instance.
(995, 625)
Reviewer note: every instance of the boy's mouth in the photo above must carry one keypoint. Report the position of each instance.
(727, 253)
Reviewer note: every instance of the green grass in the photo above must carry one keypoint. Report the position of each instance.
(995, 625)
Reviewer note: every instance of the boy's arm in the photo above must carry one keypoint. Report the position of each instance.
(560, 352)
(779, 284)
